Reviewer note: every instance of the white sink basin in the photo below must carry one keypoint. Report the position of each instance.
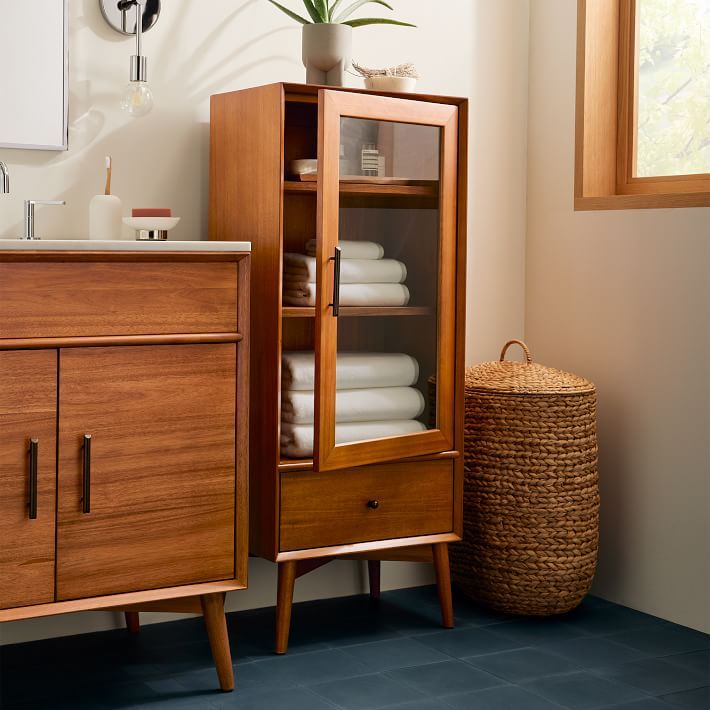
(124, 245)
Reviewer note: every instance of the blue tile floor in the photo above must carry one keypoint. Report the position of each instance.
(354, 654)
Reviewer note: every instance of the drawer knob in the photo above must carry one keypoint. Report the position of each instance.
(373, 504)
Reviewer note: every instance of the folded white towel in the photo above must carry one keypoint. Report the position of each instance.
(302, 268)
(352, 250)
(352, 370)
(364, 405)
(351, 295)
(297, 440)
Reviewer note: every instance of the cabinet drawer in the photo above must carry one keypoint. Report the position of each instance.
(54, 300)
(326, 509)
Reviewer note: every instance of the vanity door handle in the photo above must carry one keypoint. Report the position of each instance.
(373, 504)
(336, 283)
(86, 475)
(34, 459)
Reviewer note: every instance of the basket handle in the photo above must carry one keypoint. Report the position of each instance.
(528, 356)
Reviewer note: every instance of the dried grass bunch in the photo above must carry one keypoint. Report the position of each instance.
(407, 71)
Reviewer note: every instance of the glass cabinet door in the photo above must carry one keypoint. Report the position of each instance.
(386, 260)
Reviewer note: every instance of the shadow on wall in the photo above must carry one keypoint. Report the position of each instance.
(613, 436)
(185, 71)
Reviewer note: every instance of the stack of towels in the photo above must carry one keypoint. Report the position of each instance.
(374, 399)
(366, 278)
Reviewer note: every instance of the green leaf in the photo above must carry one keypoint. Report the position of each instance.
(356, 6)
(290, 13)
(376, 21)
(329, 9)
(313, 11)
(334, 7)
(321, 8)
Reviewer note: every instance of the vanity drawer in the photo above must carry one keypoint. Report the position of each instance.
(364, 504)
(54, 300)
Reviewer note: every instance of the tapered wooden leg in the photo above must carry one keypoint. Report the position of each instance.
(440, 552)
(216, 623)
(133, 623)
(284, 602)
(373, 572)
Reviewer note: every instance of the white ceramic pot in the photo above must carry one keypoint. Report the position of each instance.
(327, 53)
(404, 84)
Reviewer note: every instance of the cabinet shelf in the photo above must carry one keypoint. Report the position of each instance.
(286, 465)
(353, 311)
(425, 195)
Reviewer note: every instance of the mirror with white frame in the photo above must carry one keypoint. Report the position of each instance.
(34, 78)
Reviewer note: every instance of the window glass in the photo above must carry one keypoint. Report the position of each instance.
(673, 131)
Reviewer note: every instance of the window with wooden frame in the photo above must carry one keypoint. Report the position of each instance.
(643, 104)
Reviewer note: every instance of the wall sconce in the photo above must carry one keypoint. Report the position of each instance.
(4, 179)
(134, 17)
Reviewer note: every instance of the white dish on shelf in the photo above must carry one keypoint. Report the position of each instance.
(157, 224)
(399, 84)
(305, 166)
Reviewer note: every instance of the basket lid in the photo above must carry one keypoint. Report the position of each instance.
(524, 377)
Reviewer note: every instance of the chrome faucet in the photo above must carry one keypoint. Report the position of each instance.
(30, 215)
(4, 179)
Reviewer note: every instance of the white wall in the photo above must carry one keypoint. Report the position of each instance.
(624, 299)
(162, 160)
(497, 160)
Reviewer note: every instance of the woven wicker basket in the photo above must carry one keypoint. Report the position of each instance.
(531, 500)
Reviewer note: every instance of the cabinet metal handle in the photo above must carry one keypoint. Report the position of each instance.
(373, 504)
(86, 470)
(336, 283)
(34, 457)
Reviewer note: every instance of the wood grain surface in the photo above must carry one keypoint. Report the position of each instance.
(162, 421)
(247, 130)
(28, 409)
(54, 300)
(118, 601)
(319, 510)
(216, 623)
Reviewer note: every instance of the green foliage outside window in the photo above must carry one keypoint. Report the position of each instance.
(673, 87)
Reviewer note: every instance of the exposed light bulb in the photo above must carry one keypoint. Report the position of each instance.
(137, 99)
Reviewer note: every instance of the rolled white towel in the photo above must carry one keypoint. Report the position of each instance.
(363, 405)
(297, 440)
(352, 295)
(352, 250)
(352, 370)
(302, 269)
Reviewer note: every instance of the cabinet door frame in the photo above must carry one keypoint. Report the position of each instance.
(332, 106)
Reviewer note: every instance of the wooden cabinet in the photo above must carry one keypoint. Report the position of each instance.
(391, 169)
(123, 436)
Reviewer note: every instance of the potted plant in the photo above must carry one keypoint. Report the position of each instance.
(327, 36)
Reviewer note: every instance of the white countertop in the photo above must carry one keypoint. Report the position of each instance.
(123, 245)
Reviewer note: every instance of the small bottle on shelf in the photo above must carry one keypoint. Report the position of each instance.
(370, 160)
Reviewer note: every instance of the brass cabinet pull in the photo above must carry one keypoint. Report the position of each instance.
(373, 504)
(336, 283)
(34, 457)
(86, 470)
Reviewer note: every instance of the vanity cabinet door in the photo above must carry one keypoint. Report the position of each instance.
(28, 415)
(150, 502)
(403, 157)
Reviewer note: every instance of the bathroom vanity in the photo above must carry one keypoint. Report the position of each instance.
(391, 170)
(124, 429)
